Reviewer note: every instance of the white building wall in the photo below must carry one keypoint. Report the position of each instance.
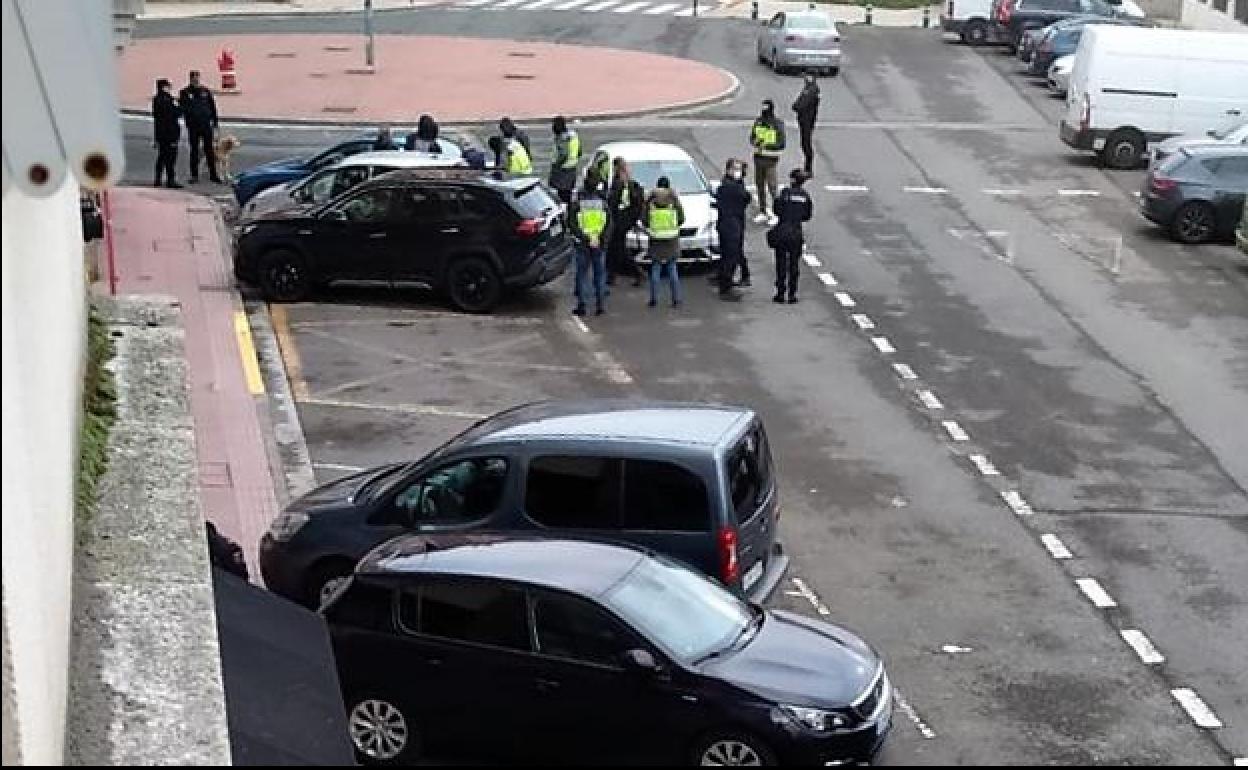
(44, 307)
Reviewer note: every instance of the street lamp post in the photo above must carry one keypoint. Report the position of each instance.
(368, 28)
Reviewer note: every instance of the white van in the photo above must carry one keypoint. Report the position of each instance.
(970, 20)
(1135, 85)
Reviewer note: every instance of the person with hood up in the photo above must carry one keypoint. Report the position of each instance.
(587, 214)
(807, 109)
(425, 138)
(767, 139)
(663, 217)
(731, 202)
(567, 158)
(625, 201)
(793, 208)
(510, 130)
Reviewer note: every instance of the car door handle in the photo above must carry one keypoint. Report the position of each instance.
(305, 232)
(433, 661)
(377, 235)
(546, 685)
(449, 230)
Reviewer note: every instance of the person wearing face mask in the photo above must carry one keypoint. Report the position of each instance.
(793, 209)
(731, 202)
(807, 109)
(767, 139)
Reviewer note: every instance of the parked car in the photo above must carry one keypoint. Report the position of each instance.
(689, 480)
(1132, 86)
(970, 20)
(1241, 234)
(1233, 134)
(1062, 39)
(323, 186)
(266, 175)
(1014, 17)
(647, 161)
(464, 233)
(1059, 74)
(551, 651)
(1198, 193)
(805, 40)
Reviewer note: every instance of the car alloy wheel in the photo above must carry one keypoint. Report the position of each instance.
(1194, 223)
(474, 285)
(330, 587)
(730, 752)
(1123, 149)
(378, 730)
(284, 277)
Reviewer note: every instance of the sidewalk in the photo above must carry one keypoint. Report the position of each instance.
(173, 243)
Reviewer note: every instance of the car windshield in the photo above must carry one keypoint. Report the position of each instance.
(809, 21)
(684, 177)
(1232, 133)
(680, 610)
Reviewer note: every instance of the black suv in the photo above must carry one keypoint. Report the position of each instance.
(688, 480)
(466, 233)
(1014, 17)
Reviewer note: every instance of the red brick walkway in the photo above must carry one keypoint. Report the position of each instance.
(170, 243)
(319, 78)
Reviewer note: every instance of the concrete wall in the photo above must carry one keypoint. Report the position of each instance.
(1202, 15)
(44, 318)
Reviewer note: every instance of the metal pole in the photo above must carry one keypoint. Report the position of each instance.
(695, 7)
(754, 9)
(368, 26)
(106, 210)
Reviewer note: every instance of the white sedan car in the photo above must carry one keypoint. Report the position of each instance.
(647, 161)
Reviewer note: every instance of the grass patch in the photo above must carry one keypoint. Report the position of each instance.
(99, 412)
(891, 4)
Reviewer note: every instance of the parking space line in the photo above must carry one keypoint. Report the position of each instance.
(664, 8)
(883, 345)
(1001, 192)
(630, 7)
(844, 298)
(1079, 193)
(1057, 549)
(955, 431)
(811, 260)
(1143, 646)
(568, 6)
(846, 188)
(984, 465)
(1014, 499)
(338, 467)
(927, 190)
(433, 411)
(290, 352)
(809, 595)
(929, 399)
(863, 321)
(602, 5)
(1099, 597)
(686, 12)
(927, 732)
(538, 5)
(904, 371)
(1196, 708)
(247, 354)
(828, 279)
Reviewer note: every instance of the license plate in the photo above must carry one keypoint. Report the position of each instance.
(752, 575)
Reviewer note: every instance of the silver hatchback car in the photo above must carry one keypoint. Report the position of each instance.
(805, 40)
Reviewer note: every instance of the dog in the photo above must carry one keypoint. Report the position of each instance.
(226, 144)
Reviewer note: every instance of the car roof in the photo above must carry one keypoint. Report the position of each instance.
(623, 420)
(444, 174)
(397, 158)
(641, 150)
(1215, 150)
(584, 567)
(791, 16)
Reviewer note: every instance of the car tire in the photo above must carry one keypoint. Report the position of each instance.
(380, 732)
(731, 747)
(473, 284)
(1123, 149)
(1194, 222)
(975, 32)
(284, 276)
(833, 71)
(323, 579)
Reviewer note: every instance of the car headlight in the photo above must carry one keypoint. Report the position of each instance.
(812, 719)
(287, 525)
(247, 228)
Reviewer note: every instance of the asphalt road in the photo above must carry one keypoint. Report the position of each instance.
(1000, 362)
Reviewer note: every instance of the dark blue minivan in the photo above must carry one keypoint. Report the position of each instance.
(691, 481)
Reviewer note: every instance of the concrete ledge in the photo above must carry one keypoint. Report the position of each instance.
(145, 679)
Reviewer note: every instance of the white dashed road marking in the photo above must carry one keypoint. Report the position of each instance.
(864, 321)
(568, 6)
(904, 371)
(1096, 594)
(338, 467)
(929, 399)
(929, 190)
(828, 279)
(903, 704)
(999, 191)
(1014, 499)
(601, 5)
(955, 431)
(1079, 193)
(811, 260)
(845, 299)
(664, 8)
(1057, 549)
(580, 324)
(809, 595)
(1237, 761)
(1142, 646)
(612, 369)
(985, 465)
(1196, 708)
(883, 345)
(846, 188)
(539, 4)
(630, 7)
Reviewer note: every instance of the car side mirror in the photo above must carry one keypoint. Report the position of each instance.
(642, 662)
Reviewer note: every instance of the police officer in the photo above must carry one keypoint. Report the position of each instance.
(793, 207)
(165, 132)
(516, 160)
(731, 201)
(588, 216)
(567, 158)
(200, 112)
(767, 139)
(663, 217)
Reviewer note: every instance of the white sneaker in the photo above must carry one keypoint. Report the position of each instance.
(762, 218)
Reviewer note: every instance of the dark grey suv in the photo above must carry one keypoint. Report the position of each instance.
(1198, 192)
(691, 481)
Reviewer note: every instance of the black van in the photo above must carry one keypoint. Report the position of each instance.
(691, 481)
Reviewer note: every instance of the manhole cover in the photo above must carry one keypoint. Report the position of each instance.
(337, 48)
(517, 76)
(339, 110)
(522, 54)
(281, 54)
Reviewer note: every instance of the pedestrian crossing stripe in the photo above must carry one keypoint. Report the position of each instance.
(647, 7)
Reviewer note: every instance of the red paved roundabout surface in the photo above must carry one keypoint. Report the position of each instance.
(321, 78)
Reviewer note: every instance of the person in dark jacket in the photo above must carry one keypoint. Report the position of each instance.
(199, 110)
(224, 553)
(767, 139)
(384, 140)
(625, 201)
(567, 157)
(793, 207)
(166, 131)
(510, 130)
(425, 138)
(731, 201)
(807, 109)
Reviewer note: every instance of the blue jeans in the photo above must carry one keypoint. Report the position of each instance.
(590, 258)
(673, 276)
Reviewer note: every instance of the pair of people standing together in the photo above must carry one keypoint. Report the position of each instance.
(194, 105)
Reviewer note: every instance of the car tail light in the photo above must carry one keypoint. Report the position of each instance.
(729, 565)
(529, 227)
(1162, 184)
(1085, 120)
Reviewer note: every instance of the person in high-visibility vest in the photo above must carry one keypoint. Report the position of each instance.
(767, 139)
(516, 162)
(587, 215)
(663, 217)
(567, 158)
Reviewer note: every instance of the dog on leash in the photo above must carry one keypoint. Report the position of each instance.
(226, 144)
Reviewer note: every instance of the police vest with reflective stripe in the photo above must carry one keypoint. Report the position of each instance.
(574, 150)
(518, 158)
(765, 138)
(664, 222)
(591, 216)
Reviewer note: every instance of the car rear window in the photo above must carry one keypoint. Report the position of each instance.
(532, 201)
(749, 473)
(808, 21)
(663, 496)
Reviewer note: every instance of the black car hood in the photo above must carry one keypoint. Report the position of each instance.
(800, 662)
(339, 492)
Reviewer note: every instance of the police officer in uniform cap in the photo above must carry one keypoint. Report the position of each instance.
(792, 208)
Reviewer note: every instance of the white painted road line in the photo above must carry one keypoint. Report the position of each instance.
(830, 280)
(629, 8)
(929, 399)
(846, 188)
(811, 260)
(883, 345)
(845, 299)
(338, 467)
(1237, 761)
(615, 373)
(539, 4)
(985, 465)
(1200, 713)
(805, 591)
(601, 5)
(580, 324)
(686, 12)
(929, 190)
(664, 8)
(1000, 191)
(1096, 594)
(1142, 646)
(1057, 549)
(905, 372)
(1079, 193)
(572, 4)
(903, 704)
(955, 431)
(1015, 500)
(864, 321)
(506, 3)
